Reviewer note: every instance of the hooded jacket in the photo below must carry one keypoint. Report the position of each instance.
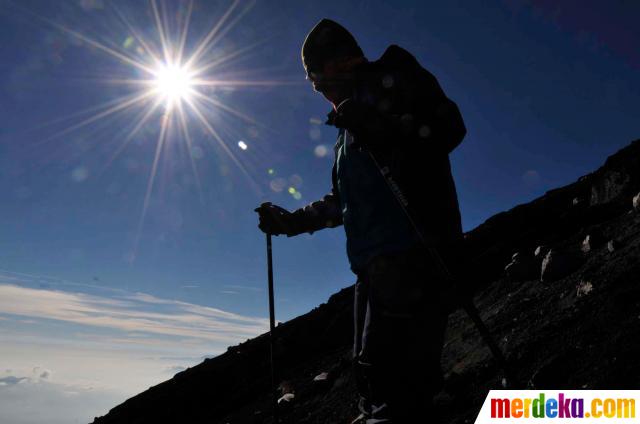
(400, 114)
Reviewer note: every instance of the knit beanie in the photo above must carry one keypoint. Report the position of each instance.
(328, 40)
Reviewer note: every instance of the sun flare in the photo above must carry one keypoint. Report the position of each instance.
(173, 83)
(166, 71)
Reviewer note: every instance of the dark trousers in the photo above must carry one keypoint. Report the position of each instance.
(399, 332)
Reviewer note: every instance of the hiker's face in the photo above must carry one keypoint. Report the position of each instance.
(333, 80)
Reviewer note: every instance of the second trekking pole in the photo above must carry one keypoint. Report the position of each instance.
(272, 326)
(468, 306)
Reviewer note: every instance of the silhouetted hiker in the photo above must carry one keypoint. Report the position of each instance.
(394, 119)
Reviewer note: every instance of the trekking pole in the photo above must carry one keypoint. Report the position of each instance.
(272, 326)
(471, 310)
(468, 306)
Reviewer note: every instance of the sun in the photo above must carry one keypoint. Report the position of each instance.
(173, 83)
(166, 70)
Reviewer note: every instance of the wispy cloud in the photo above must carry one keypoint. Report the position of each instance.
(241, 287)
(103, 345)
(38, 375)
(31, 401)
(13, 277)
(138, 312)
(11, 380)
(175, 369)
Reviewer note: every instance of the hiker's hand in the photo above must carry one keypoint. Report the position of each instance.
(275, 220)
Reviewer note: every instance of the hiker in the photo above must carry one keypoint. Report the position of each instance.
(394, 193)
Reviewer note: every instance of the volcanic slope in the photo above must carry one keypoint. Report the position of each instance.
(579, 328)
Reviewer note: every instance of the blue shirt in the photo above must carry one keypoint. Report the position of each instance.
(373, 219)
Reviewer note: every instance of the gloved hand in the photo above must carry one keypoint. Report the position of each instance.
(275, 220)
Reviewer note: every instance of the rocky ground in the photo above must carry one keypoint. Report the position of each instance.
(566, 310)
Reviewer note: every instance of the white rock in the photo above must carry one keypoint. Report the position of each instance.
(541, 252)
(323, 376)
(591, 242)
(636, 202)
(584, 288)
(287, 397)
(586, 244)
(522, 267)
(558, 264)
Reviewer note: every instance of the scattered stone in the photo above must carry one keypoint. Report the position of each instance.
(323, 376)
(558, 264)
(577, 201)
(591, 242)
(636, 202)
(322, 381)
(541, 251)
(586, 244)
(612, 246)
(584, 288)
(522, 267)
(286, 399)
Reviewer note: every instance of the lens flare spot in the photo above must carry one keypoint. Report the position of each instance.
(297, 195)
(315, 133)
(128, 42)
(295, 180)
(278, 184)
(242, 145)
(80, 174)
(387, 81)
(271, 171)
(253, 132)
(291, 190)
(196, 152)
(424, 131)
(320, 151)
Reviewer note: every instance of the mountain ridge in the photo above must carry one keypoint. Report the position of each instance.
(553, 331)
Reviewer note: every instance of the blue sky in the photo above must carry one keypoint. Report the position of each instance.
(110, 300)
